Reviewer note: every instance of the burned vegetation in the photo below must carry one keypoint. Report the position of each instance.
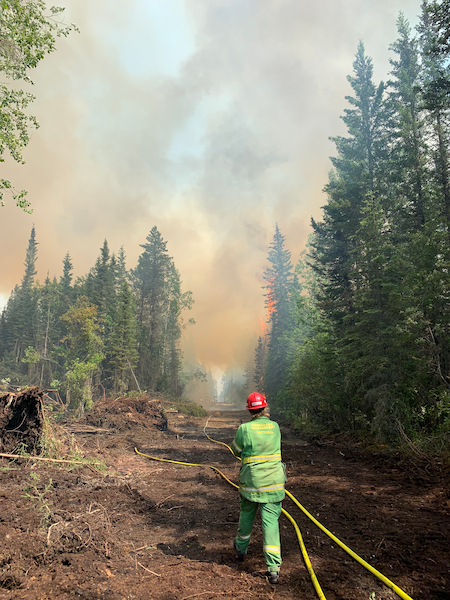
(109, 524)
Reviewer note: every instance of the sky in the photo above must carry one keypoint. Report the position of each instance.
(210, 119)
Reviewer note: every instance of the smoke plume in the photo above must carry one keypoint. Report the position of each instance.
(206, 118)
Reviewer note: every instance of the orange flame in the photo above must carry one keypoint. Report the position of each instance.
(263, 326)
(270, 298)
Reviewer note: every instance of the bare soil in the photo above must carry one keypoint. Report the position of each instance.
(149, 530)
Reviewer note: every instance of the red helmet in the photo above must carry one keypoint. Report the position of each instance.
(255, 401)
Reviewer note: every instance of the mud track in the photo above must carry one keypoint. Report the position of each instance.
(148, 530)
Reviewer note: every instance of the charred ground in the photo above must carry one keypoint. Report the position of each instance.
(143, 529)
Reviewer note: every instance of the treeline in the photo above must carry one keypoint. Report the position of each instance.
(111, 331)
(359, 332)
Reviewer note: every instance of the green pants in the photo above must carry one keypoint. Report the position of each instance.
(270, 513)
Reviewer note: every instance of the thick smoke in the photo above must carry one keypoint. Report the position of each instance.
(209, 119)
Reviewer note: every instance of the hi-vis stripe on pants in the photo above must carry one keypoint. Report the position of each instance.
(270, 513)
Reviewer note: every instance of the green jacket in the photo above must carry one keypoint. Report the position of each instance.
(262, 475)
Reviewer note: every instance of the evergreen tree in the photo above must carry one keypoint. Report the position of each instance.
(21, 310)
(357, 172)
(173, 325)
(436, 100)
(438, 16)
(435, 79)
(84, 353)
(260, 365)
(150, 279)
(408, 153)
(66, 280)
(279, 278)
(121, 270)
(234, 388)
(122, 352)
(77, 336)
(102, 292)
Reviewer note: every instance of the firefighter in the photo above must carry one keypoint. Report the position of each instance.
(261, 482)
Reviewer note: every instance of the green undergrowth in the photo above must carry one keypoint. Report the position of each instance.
(180, 404)
(420, 449)
(186, 407)
(57, 444)
(38, 494)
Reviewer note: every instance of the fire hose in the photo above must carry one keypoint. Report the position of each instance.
(285, 513)
(306, 559)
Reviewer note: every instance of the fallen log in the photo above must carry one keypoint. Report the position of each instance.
(58, 460)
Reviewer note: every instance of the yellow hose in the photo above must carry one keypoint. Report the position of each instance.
(186, 464)
(308, 564)
(217, 441)
(285, 513)
(361, 561)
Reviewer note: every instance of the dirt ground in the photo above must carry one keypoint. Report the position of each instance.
(149, 530)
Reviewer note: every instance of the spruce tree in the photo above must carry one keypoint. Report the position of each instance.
(150, 279)
(260, 365)
(357, 172)
(23, 311)
(435, 80)
(408, 153)
(436, 100)
(103, 290)
(173, 326)
(438, 15)
(122, 347)
(65, 281)
(120, 268)
(279, 278)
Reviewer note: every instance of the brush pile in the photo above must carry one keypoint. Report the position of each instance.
(21, 421)
(125, 414)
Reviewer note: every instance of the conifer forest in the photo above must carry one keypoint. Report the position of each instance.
(357, 336)
(177, 237)
(359, 329)
(110, 332)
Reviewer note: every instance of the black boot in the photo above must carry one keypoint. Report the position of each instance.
(273, 576)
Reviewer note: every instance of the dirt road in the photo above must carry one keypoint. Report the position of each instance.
(148, 530)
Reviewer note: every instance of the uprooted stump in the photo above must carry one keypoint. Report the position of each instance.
(124, 414)
(21, 421)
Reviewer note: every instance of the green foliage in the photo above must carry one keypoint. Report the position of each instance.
(189, 408)
(55, 443)
(260, 365)
(438, 14)
(121, 353)
(160, 304)
(92, 336)
(279, 300)
(84, 353)
(31, 356)
(38, 495)
(28, 31)
(372, 348)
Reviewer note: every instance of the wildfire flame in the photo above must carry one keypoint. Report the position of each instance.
(270, 298)
(263, 326)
